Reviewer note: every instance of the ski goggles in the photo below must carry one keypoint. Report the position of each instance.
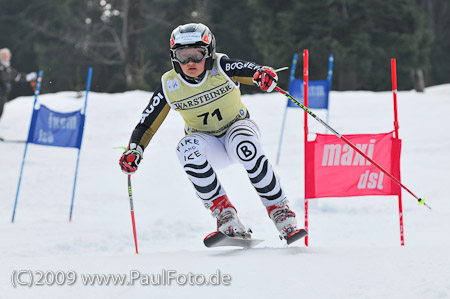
(194, 54)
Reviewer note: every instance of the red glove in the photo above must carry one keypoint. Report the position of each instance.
(130, 159)
(265, 78)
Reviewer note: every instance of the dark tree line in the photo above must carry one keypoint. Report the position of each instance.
(127, 41)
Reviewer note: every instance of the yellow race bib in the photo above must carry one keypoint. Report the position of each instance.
(210, 106)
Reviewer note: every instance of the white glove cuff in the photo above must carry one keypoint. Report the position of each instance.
(136, 147)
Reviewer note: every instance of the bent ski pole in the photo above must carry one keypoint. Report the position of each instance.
(130, 195)
(281, 69)
(420, 200)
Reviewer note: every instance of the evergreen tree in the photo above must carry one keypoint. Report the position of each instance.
(126, 41)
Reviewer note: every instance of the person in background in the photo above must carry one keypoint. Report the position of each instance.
(9, 76)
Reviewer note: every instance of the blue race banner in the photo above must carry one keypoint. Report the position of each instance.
(318, 92)
(56, 129)
(52, 128)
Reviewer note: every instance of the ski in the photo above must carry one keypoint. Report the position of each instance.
(296, 235)
(216, 239)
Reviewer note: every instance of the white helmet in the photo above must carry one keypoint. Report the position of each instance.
(192, 36)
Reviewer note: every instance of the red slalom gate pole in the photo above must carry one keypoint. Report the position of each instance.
(305, 100)
(396, 127)
(130, 195)
(394, 92)
(285, 93)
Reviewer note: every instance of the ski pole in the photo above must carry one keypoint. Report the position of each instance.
(130, 195)
(281, 69)
(420, 200)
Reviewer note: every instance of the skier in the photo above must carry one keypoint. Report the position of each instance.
(203, 87)
(8, 76)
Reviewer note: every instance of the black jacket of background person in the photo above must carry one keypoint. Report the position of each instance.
(8, 76)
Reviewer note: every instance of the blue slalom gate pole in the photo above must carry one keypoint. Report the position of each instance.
(36, 94)
(330, 70)
(88, 87)
(291, 81)
(329, 79)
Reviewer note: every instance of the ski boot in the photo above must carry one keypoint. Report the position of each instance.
(283, 218)
(227, 219)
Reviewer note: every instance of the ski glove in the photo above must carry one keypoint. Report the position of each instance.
(265, 78)
(130, 159)
(31, 76)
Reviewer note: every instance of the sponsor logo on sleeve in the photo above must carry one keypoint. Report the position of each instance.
(240, 65)
(155, 102)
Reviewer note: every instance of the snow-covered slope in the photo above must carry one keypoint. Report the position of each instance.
(354, 247)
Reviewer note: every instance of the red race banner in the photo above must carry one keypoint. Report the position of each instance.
(334, 169)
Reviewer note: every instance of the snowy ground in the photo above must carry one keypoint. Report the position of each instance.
(354, 247)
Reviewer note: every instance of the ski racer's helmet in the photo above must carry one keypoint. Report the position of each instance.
(192, 36)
